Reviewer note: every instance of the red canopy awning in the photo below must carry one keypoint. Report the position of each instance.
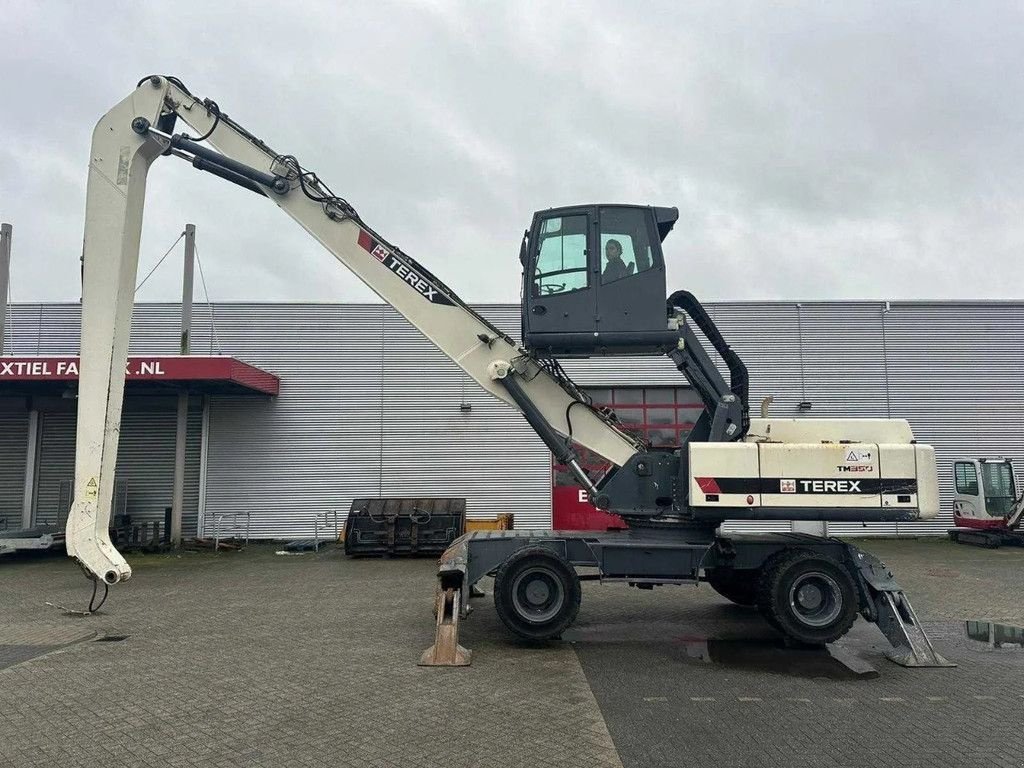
(208, 375)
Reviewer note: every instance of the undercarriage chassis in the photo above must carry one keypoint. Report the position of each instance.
(809, 588)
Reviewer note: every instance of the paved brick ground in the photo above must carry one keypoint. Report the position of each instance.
(664, 707)
(24, 641)
(254, 659)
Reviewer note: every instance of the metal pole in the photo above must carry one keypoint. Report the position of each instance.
(31, 469)
(181, 432)
(5, 279)
(178, 496)
(186, 287)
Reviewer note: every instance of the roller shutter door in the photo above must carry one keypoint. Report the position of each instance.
(13, 441)
(145, 467)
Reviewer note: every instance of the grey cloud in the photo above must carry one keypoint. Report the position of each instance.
(815, 150)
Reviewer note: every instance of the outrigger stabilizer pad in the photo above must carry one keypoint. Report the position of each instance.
(446, 651)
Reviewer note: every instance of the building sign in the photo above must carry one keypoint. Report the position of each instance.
(66, 368)
(141, 368)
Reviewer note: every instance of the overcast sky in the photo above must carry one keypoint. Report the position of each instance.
(816, 150)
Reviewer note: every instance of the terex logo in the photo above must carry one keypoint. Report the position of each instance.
(411, 278)
(398, 265)
(830, 486)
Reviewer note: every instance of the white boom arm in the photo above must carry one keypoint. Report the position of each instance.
(123, 147)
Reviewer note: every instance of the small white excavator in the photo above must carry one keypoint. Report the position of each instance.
(593, 285)
(988, 508)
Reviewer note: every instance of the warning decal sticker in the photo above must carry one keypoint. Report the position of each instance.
(857, 456)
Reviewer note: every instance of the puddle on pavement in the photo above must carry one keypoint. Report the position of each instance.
(1001, 636)
(832, 662)
(754, 654)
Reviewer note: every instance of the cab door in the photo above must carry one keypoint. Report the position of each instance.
(631, 278)
(969, 502)
(559, 295)
(998, 487)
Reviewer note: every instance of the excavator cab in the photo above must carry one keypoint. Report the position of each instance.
(594, 281)
(988, 508)
(986, 491)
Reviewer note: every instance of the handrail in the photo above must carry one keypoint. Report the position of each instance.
(332, 514)
(234, 516)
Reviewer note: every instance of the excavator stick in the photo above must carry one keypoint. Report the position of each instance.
(125, 142)
(446, 651)
(118, 167)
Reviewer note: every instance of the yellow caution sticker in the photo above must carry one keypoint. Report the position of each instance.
(92, 488)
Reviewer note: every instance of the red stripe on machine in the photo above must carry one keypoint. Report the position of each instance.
(708, 484)
(367, 243)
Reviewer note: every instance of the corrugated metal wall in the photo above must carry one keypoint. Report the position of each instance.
(13, 440)
(958, 374)
(369, 407)
(353, 421)
(315, 446)
(432, 447)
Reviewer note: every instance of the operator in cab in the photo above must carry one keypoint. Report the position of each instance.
(614, 267)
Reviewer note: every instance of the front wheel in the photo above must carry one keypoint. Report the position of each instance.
(808, 596)
(537, 594)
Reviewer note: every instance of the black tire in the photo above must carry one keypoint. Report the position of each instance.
(808, 596)
(739, 586)
(537, 594)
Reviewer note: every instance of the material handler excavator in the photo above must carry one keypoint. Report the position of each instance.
(593, 285)
(987, 509)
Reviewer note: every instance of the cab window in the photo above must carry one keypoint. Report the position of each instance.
(966, 478)
(561, 259)
(625, 243)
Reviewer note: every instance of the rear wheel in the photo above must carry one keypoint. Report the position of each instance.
(536, 594)
(740, 586)
(808, 596)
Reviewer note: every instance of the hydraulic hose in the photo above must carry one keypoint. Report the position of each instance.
(739, 379)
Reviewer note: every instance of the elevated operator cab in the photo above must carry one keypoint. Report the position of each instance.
(594, 281)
